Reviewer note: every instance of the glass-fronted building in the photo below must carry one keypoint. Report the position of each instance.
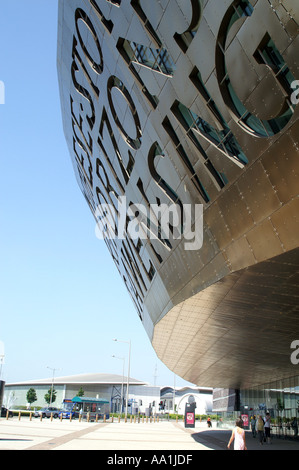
(279, 398)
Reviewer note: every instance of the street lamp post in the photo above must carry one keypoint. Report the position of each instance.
(127, 394)
(122, 383)
(173, 393)
(2, 356)
(52, 386)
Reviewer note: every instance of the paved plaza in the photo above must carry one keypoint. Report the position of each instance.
(165, 436)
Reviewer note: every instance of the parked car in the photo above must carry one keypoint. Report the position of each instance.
(46, 412)
(66, 414)
(4, 412)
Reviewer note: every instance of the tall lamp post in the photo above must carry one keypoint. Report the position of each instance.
(52, 386)
(2, 356)
(122, 383)
(127, 394)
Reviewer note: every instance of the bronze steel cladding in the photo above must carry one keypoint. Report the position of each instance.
(194, 102)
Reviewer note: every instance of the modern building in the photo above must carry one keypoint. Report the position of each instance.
(2, 356)
(110, 387)
(174, 399)
(188, 110)
(2, 386)
(142, 397)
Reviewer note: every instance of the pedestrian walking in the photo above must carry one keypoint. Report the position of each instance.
(253, 426)
(238, 436)
(294, 425)
(267, 428)
(260, 429)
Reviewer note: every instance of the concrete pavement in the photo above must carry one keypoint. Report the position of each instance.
(217, 439)
(65, 435)
(162, 436)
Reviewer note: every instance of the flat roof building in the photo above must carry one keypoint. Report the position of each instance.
(104, 386)
(181, 119)
(142, 396)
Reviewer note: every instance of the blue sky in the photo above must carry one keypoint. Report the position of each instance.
(61, 297)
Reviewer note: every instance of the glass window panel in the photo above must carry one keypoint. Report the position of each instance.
(156, 59)
(270, 55)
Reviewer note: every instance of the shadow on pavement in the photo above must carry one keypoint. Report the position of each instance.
(213, 439)
(17, 440)
(218, 440)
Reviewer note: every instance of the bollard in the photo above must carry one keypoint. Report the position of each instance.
(88, 416)
(41, 417)
(147, 419)
(111, 419)
(176, 418)
(61, 417)
(157, 419)
(7, 413)
(125, 419)
(51, 417)
(134, 419)
(30, 416)
(104, 418)
(119, 418)
(142, 419)
(131, 419)
(19, 416)
(71, 414)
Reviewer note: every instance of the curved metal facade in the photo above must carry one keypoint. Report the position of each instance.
(194, 102)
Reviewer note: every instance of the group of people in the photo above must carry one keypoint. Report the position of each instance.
(260, 427)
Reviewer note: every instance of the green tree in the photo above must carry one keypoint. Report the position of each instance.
(31, 396)
(50, 397)
(80, 393)
(280, 404)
